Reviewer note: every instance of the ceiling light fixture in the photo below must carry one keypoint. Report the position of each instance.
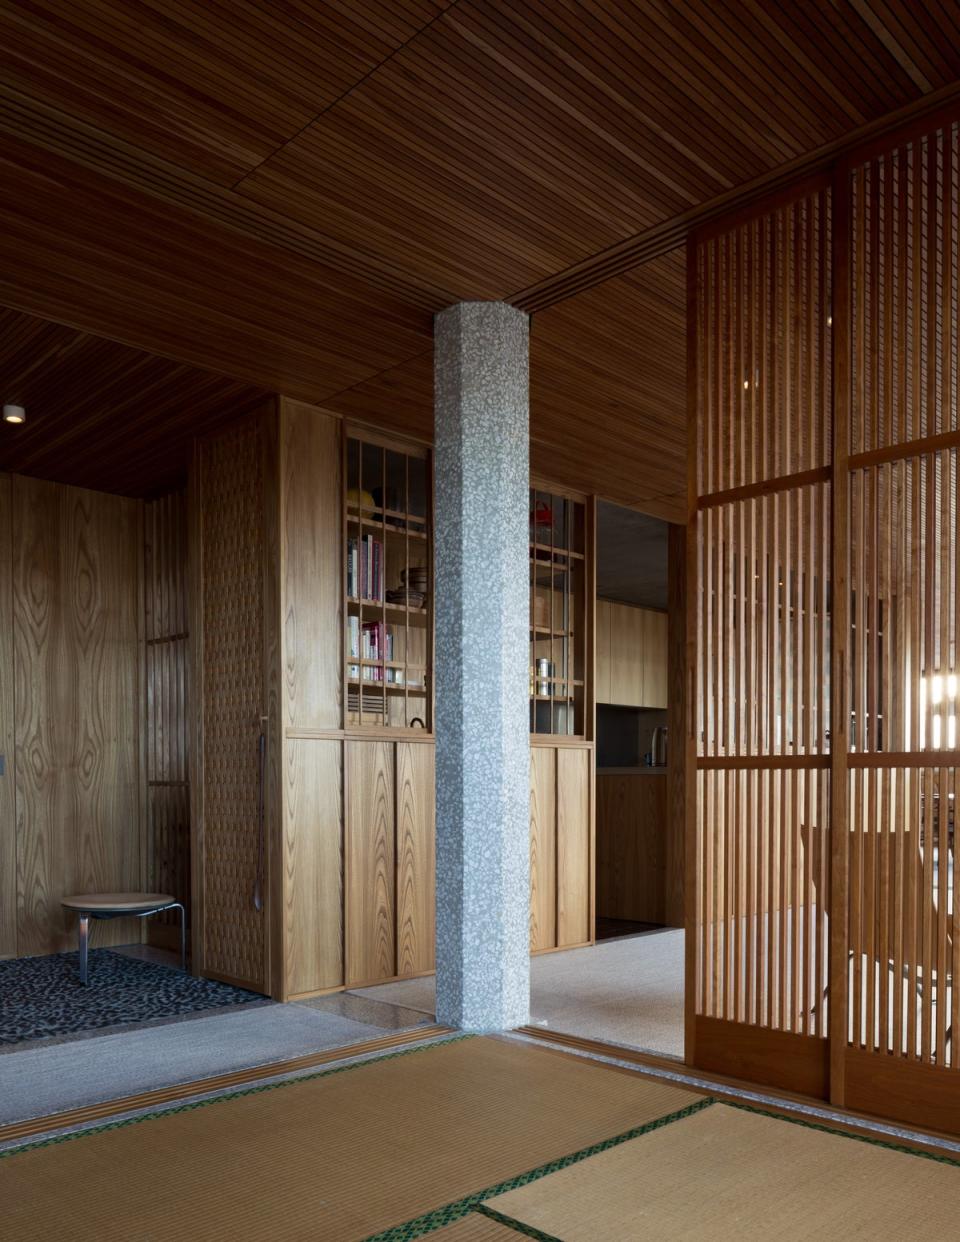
(14, 414)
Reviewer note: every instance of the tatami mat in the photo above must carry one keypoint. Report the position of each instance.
(476, 1228)
(340, 1156)
(725, 1173)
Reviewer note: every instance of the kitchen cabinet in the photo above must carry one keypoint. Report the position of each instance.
(631, 655)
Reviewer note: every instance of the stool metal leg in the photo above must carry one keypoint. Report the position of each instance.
(84, 942)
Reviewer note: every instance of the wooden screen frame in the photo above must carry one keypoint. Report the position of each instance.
(911, 1091)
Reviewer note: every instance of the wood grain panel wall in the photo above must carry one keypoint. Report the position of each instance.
(229, 596)
(8, 802)
(310, 467)
(76, 637)
(167, 709)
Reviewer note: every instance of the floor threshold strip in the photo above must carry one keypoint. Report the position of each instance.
(208, 1087)
(730, 1094)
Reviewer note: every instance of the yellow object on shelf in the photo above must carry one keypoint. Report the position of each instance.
(359, 499)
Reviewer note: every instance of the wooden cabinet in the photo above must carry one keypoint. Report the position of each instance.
(349, 861)
(631, 655)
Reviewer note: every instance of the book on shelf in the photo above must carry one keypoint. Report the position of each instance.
(364, 568)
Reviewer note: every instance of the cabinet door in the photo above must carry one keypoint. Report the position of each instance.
(573, 845)
(369, 846)
(626, 664)
(312, 864)
(602, 627)
(543, 847)
(654, 659)
(416, 858)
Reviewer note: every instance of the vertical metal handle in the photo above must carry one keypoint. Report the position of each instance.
(262, 762)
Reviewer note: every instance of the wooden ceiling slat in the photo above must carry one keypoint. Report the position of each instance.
(217, 86)
(283, 192)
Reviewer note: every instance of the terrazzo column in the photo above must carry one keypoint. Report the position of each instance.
(482, 605)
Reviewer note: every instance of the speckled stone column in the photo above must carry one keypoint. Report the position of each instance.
(481, 447)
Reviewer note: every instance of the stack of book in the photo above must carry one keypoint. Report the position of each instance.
(364, 568)
(371, 642)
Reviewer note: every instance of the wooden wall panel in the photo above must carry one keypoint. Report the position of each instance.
(370, 861)
(631, 846)
(416, 858)
(232, 700)
(166, 710)
(573, 845)
(8, 802)
(76, 569)
(310, 465)
(313, 865)
(543, 847)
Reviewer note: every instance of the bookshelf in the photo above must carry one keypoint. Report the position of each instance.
(387, 572)
(558, 613)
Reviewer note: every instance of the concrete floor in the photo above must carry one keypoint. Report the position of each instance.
(627, 991)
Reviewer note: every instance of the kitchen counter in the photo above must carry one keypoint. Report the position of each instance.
(642, 770)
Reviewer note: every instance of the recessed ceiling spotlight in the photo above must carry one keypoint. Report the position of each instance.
(14, 414)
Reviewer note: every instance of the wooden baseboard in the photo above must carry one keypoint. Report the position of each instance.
(201, 1086)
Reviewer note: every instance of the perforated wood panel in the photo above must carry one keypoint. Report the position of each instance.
(166, 706)
(232, 501)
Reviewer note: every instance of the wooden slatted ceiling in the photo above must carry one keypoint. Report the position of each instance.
(216, 87)
(606, 391)
(284, 193)
(478, 147)
(101, 415)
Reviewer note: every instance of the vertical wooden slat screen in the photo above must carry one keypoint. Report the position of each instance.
(825, 372)
(901, 555)
(763, 416)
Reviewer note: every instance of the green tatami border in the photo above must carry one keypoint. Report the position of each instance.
(824, 1128)
(451, 1212)
(528, 1231)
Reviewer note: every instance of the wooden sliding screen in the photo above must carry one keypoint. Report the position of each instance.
(762, 354)
(898, 550)
(824, 635)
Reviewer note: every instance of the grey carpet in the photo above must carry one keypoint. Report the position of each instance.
(627, 992)
(37, 1081)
